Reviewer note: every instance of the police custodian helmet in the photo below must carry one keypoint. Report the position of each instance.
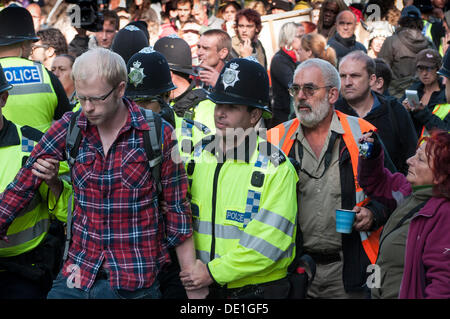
(16, 25)
(4, 85)
(177, 52)
(445, 69)
(148, 75)
(243, 82)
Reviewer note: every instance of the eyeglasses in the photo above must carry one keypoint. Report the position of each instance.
(422, 68)
(95, 99)
(307, 89)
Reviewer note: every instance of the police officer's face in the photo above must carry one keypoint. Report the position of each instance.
(230, 117)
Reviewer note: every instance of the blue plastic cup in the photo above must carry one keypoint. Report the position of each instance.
(344, 220)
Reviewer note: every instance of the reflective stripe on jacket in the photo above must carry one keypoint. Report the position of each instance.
(245, 215)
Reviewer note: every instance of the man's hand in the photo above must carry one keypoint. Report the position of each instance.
(363, 218)
(196, 277)
(245, 48)
(209, 75)
(47, 169)
(201, 293)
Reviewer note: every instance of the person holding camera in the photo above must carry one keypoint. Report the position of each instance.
(357, 72)
(413, 258)
(101, 38)
(435, 113)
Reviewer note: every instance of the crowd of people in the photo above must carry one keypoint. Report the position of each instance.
(158, 150)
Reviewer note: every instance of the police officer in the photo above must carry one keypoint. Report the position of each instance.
(244, 221)
(149, 82)
(30, 255)
(37, 97)
(186, 101)
(129, 41)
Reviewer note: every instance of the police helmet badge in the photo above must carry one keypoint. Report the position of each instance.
(230, 76)
(136, 74)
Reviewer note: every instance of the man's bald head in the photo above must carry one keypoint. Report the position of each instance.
(346, 24)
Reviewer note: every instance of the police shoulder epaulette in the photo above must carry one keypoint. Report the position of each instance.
(31, 133)
(275, 155)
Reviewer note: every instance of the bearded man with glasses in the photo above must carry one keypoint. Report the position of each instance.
(323, 145)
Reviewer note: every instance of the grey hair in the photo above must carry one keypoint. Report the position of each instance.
(287, 34)
(329, 73)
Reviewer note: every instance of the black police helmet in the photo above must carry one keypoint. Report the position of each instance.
(129, 41)
(445, 69)
(177, 52)
(4, 85)
(148, 75)
(243, 82)
(16, 25)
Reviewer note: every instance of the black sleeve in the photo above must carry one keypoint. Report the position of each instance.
(406, 134)
(380, 213)
(63, 102)
(431, 121)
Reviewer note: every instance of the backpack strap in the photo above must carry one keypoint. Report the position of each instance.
(73, 141)
(153, 145)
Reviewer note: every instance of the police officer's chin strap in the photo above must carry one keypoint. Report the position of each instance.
(166, 111)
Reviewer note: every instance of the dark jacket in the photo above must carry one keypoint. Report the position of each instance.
(437, 97)
(281, 73)
(343, 46)
(395, 128)
(400, 51)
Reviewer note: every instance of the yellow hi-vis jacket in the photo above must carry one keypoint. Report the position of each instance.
(31, 225)
(244, 212)
(32, 100)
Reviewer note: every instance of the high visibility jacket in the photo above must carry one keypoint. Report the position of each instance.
(441, 111)
(244, 213)
(187, 136)
(31, 225)
(426, 31)
(32, 100)
(284, 136)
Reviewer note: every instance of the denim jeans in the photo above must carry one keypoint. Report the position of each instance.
(101, 289)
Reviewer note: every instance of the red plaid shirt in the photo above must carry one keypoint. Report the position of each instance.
(116, 219)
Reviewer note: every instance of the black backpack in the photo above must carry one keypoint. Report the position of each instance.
(152, 144)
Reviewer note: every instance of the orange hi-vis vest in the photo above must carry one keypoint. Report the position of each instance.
(284, 137)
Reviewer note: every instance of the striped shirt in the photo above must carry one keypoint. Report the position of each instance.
(116, 219)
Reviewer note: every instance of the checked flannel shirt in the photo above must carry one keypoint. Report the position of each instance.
(116, 218)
